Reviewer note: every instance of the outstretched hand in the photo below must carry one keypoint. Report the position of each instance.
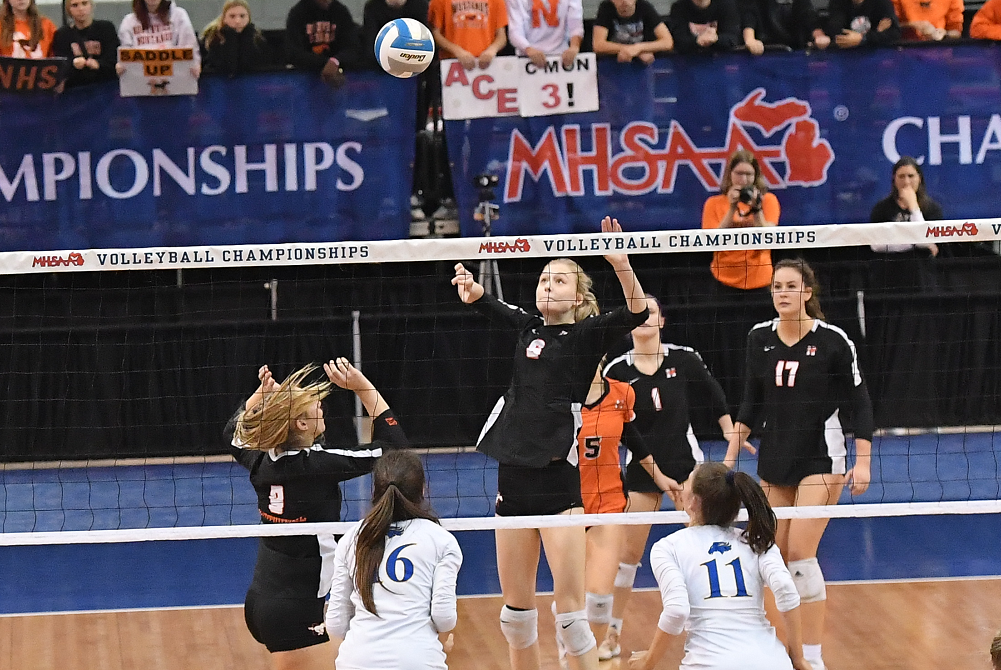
(345, 375)
(469, 290)
(617, 261)
(267, 385)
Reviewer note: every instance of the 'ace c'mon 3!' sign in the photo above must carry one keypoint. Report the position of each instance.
(157, 72)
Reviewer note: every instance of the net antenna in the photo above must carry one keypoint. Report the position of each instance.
(487, 211)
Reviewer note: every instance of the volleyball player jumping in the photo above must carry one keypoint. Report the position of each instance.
(800, 372)
(532, 432)
(667, 381)
(392, 601)
(712, 578)
(276, 437)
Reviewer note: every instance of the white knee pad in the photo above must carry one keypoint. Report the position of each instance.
(520, 627)
(626, 575)
(809, 580)
(599, 608)
(572, 630)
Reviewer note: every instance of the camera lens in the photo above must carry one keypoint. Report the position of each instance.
(746, 195)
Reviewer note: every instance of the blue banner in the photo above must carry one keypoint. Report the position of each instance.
(257, 159)
(826, 127)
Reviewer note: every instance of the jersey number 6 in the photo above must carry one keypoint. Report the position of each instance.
(738, 577)
(395, 560)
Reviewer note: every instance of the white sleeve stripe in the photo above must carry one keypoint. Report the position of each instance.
(627, 357)
(351, 453)
(856, 373)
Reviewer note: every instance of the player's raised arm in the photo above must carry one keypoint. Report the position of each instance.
(635, 298)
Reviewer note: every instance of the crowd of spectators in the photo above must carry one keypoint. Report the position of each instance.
(321, 35)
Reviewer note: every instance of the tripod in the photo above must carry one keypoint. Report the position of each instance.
(486, 212)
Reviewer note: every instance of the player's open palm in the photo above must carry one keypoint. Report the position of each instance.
(610, 225)
(469, 290)
(345, 375)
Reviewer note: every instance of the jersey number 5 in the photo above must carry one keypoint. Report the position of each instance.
(738, 576)
(592, 447)
(786, 366)
(276, 500)
(395, 562)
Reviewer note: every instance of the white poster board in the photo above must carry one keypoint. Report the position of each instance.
(157, 72)
(513, 86)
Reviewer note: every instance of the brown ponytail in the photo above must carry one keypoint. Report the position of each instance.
(721, 492)
(397, 495)
(809, 281)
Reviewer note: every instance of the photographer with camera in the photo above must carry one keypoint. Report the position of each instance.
(740, 290)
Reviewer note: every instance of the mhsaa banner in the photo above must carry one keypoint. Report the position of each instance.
(826, 128)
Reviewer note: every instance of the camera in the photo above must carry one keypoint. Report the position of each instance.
(748, 196)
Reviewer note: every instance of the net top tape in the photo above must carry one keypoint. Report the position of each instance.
(490, 523)
(487, 248)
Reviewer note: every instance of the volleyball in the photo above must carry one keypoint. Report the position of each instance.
(404, 47)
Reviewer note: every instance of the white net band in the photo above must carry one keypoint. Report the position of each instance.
(492, 523)
(591, 244)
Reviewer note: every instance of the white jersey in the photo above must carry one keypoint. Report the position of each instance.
(177, 32)
(546, 25)
(414, 597)
(711, 584)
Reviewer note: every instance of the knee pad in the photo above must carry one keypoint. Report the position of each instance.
(626, 575)
(599, 608)
(520, 627)
(574, 632)
(809, 580)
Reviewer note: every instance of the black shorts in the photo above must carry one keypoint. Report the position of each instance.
(284, 624)
(640, 481)
(792, 471)
(523, 491)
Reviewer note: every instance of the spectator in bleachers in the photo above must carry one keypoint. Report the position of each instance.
(629, 29)
(91, 46)
(987, 22)
(322, 37)
(792, 24)
(930, 19)
(540, 28)
(905, 266)
(378, 13)
(856, 23)
(472, 32)
(24, 33)
(233, 45)
(702, 26)
(159, 24)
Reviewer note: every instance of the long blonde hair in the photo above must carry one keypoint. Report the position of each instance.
(269, 424)
(7, 25)
(589, 306)
(213, 31)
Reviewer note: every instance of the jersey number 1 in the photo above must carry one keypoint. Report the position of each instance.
(738, 577)
(786, 366)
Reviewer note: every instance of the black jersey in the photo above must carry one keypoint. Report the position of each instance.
(664, 402)
(302, 486)
(797, 394)
(537, 419)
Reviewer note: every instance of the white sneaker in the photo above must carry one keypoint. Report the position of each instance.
(609, 648)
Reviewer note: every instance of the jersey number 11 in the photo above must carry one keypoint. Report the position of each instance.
(738, 577)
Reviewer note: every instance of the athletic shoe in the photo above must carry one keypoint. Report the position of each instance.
(609, 648)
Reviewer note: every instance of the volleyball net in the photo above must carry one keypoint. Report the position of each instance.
(123, 365)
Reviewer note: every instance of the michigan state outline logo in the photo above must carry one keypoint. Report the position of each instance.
(789, 149)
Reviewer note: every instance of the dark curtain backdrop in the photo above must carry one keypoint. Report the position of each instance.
(115, 365)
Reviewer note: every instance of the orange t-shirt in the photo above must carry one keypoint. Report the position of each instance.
(22, 34)
(472, 24)
(943, 14)
(598, 448)
(740, 269)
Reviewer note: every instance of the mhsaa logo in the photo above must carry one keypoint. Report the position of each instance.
(968, 228)
(793, 153)
(75, 259)
(519, 245)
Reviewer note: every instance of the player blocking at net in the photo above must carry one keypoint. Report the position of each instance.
(712, 578)
(801, 373)
(398, 547)
(532, 433)
(276, 436)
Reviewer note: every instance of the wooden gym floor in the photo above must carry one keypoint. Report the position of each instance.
(924, 625)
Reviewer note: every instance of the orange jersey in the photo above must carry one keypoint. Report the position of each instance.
(740, 269)
(598, 448)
